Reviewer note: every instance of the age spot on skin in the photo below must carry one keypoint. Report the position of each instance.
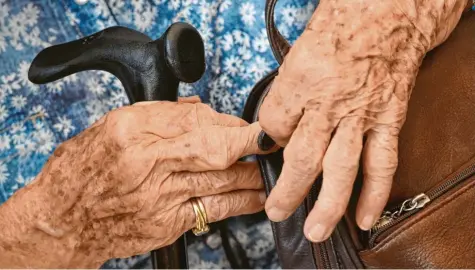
(60, 151)
(338, 45)
(99, 173)
(86, 170)
(187, 145)
(7, 247)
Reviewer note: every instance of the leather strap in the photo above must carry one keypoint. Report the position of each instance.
(280, 46)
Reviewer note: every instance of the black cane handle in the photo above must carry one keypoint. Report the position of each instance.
(148, 70)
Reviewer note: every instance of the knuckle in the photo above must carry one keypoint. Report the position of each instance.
(339, 170)
(219, 161)
(204, 114)
(204, 108)
(378, 187)
(185, 185)
(381, 169)
(303, 171)
(212, 148)
(120, 123)
(188, 118)
(218, 181)
(379, 195)
(301, 161)
(219, 153)
(206, 181)
(221, 207)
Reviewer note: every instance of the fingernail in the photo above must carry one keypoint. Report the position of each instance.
(276, 214)
(318, 233)
(367, 222)
(262, 196)
(265, 142)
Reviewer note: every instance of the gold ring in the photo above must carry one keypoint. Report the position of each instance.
(202, 226)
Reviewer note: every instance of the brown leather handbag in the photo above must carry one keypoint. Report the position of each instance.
(430, 217)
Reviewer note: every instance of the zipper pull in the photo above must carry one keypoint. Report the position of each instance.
(387, 217)
(417, 202)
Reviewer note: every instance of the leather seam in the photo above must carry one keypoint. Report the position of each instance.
(447, 201)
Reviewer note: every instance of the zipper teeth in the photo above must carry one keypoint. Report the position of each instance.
(433, 194)
(384, 228)
(324, 256)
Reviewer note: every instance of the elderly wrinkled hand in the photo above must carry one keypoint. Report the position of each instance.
(122, 187)
(350, 74)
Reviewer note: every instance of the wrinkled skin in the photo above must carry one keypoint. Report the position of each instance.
(122, 187)
(349, 75)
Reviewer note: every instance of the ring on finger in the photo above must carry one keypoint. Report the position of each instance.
(202, 226)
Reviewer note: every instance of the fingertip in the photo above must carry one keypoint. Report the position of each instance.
(317, 233)
(277, 215)
(370, 205)
(366, 223)
(279, 206)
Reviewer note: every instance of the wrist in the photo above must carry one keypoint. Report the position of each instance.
(31, 237)
(435, 19)
(366, 24)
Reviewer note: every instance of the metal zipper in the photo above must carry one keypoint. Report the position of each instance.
(324, 256)
(413, 205)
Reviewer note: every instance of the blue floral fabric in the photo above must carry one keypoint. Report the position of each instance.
(36, 119)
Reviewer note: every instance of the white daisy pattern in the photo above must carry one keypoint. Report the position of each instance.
(35, 119)
(64, 125)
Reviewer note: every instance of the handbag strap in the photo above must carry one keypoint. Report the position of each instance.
(280, 46)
